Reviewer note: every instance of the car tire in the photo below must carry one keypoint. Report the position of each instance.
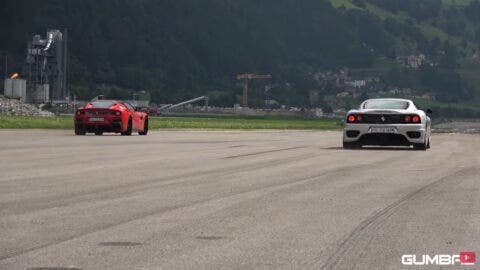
(145, 128)
(420, 146)
(79, 131)
(98, 133)
(128, 132)
(351, 145)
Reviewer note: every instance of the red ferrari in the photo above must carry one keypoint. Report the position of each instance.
(110, 116)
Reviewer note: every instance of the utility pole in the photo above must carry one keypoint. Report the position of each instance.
(5, 71)
(246, 79)
(65, 55)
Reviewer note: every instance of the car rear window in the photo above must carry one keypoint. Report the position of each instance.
(386, 104)
(102, 104)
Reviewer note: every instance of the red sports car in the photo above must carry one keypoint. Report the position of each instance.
(101, 116)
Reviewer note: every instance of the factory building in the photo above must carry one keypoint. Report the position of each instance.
(46, 71)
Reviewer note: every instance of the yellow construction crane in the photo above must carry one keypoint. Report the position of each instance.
(246, 78)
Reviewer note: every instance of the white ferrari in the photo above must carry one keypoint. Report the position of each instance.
(387, 122)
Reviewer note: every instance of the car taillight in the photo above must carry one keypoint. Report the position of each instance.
(351, 118)
(359, 118)
(416, 119)
(408, 118)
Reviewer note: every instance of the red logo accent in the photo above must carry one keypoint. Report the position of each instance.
(467, 258)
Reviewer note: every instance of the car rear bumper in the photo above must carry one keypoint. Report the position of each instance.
(406, 134)
(113, 125)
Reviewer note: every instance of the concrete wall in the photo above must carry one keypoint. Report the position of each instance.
(16, 88)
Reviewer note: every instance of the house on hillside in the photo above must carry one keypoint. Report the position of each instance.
(356, 83)
(412, 61)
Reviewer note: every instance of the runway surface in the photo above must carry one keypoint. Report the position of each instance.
(232, 200)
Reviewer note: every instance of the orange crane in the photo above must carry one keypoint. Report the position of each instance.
(246, 79)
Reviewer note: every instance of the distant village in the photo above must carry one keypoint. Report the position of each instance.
(354, 86)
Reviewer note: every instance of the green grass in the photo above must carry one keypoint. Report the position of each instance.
(34, 122)
(246, 123)
(243, 123)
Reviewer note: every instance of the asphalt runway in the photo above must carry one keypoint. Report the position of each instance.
(232, 200)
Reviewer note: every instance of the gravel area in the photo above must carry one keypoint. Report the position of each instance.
(458, 126)
(10, 106)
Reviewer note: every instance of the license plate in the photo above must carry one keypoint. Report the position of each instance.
(96, 119)
(383, 130)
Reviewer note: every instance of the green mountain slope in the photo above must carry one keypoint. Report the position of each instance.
(178, 49)
(452, 24)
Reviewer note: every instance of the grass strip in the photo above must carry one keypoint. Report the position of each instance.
(244, 123)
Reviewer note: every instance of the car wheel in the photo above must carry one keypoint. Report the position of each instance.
(420, 146)
(351, 145)
(128, 132)
(79, 131)
(145, 128)
(98, 133)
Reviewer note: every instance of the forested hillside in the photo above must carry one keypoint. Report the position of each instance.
(178, 49)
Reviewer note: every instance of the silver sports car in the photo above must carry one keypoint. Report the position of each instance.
(387, 122)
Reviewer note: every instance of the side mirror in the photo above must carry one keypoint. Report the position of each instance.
(428, 111)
